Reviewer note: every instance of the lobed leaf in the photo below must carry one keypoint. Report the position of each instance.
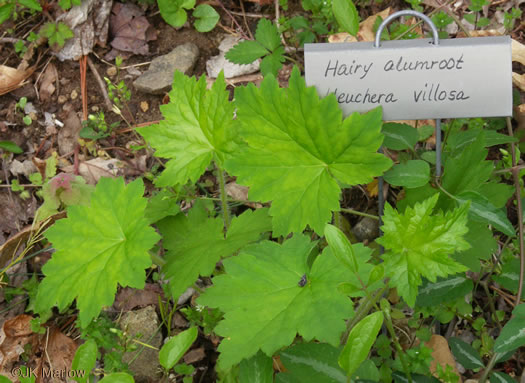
(197, 128)
(269, 295)
(292, 161)
(246, 52)
(419, 244)
(195, 243)
(97, 247)
(268, 35)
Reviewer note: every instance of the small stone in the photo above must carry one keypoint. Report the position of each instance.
(145, 366)
(217, 63)
(179, 321)
(144, 106)
(33, 116)
(74, 94)
(111, 71)
(62, 99)
(194, 355)
(95, 108)
(367, 228)
(186, 296)
(159, 76)
(24, 168)
(134, 72)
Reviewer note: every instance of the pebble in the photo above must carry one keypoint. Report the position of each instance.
(111, 71)
(62, 99)
(74, 94)
(217, 63)
(95, 108)
(159, 76)
(144, 106)
(33, 116)
(367, 228)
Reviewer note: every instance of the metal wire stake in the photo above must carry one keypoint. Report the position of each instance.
(377, 44)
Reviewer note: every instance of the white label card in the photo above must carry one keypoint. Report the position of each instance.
(415, 79)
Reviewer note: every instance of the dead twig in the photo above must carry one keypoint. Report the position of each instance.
(101, 84)
(241, 31)
(9, 40)
(244, 19)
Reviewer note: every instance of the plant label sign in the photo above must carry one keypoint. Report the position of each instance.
(415, 79)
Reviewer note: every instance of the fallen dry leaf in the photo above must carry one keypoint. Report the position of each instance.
(47, 84)
(13, 78)
(96, 168)
(519, 116)
(373, 188)
(69, 133)
(127, 298)
(89, 23)
(240, 193)
(130, 30)
(342, 37)
(16, 243)
(519, 80)
(441, 354)
(518, 52)
(14, 213)
(485, 33)
(366, 30)
(14, 335)
(60, 350)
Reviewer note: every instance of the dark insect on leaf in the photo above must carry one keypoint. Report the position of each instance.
(303, 281)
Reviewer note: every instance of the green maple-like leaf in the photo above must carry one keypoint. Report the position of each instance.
(57, 34)
(267, 44)
(98, 246)
(299, 147)
(420, 244)
(268, 35)
(195, 243)
(269, 294)
(197, 128)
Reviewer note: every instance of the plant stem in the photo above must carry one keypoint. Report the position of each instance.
(159, 261)
(355, 212)
(489, 368)
(362, 310)
(491, 303)
(223, 196)
(390, 328)
(516, 177)
(337, 220)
